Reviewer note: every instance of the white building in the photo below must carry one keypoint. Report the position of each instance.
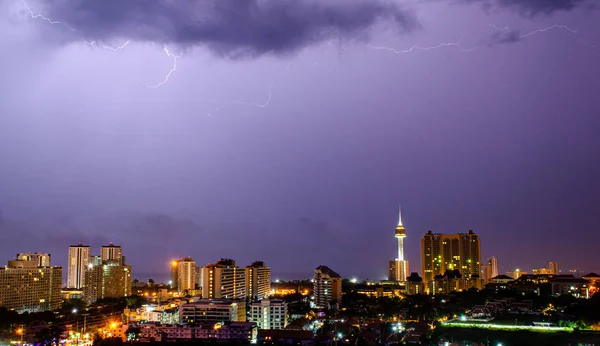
(258, 280)
(79, 261)
(269, 314)
(223, 280)
(186, 274)
(40, 259)
(111, 253)
(212, 310)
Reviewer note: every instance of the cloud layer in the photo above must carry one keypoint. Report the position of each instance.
(232, 28)
(535, 7)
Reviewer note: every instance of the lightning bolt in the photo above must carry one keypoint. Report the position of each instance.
(92, 43)
(420, 48)
(39, 16)
(114, 49)
(174, 57)
(466, 50)
(555, 26)
(269, 91)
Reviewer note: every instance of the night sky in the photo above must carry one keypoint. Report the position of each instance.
(289, 131)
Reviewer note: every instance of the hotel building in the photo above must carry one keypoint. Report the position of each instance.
(223, 280)
(39, 258)
(26, 287)
(269, 314)
(79, 261)
(111, 253)
(212, 310)
(447, 252)
(327, 287)
(258, 280)
(109, 280)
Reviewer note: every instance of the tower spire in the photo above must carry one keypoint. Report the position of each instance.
(399, 215)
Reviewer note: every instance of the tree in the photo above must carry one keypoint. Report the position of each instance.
(74, 303)
(49, 336)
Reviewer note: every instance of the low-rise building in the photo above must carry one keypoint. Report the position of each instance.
(220, 332)
(568, 284)
(285, 337)
(414, 284)
(269, 314)
(212, 311)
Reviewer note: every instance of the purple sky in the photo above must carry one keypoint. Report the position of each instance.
(287, 133)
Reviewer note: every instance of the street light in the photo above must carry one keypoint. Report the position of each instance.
(21, 331)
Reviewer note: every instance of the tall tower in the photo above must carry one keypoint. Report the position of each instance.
(400, 235)
(398, 269)
(79, 260)
(493, 263)
(111, 252)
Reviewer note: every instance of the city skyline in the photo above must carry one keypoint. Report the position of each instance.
(114, 252)
(470, 117)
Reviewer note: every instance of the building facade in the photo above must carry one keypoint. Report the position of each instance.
(443, 252)
(25, 287)
(492, 262)
(258, 280)
(552, 267)
(327, 287)
(269, 314)
(109, 280)
(223, 280)
(111, 252)
(414, 284)
(225, 333)
(79, 261)
(212, 310)
(184, 274)
(40, 259)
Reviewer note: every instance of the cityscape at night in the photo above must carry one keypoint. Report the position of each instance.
(299, 172)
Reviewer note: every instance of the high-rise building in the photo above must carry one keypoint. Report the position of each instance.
(96, 261)
(40, 259)
(79, 261)
(492, 262)
(186, 274)
(111, 252)
(258, 280)
(441, 252)
(553, 267)
(26, 287)
(398, 268)
(109, 280)
(269, 314)
(486, 273)
(223, 280)
(175, 274)
(327, 287)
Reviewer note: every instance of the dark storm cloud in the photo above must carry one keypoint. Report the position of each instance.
(535, 7)
(230, 27)
(162, 227)
(504, 36)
